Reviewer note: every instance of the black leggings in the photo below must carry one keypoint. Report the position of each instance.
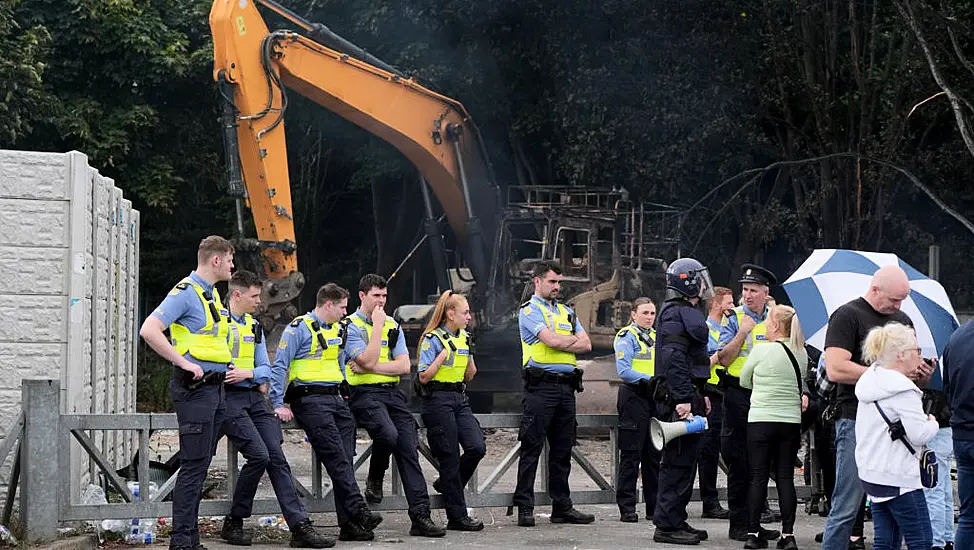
(772, 443)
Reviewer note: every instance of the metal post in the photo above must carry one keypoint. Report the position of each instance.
(934, 270)
(642, 218)
(39, 460)
(437, 249)
(396, 482)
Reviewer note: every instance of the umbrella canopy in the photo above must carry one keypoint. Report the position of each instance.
(830, 278)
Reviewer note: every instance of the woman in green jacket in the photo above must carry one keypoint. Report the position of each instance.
(775, 372)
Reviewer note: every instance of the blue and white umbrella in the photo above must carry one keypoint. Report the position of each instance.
(830, 278)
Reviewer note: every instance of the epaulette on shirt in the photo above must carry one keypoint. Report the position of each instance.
(729, 313)
(296, 322)
(525, 304)
(182, 286)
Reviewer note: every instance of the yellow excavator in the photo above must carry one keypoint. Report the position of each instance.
(601, 238)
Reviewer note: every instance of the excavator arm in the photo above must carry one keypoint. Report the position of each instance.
(255, 68)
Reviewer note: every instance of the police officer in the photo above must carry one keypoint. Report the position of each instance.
(199, 325)
(634, 346)
(550, 337)
(445, 366)
(307, 375)
(722, 301)
(683, 367)
(252, 426)
(377, 357)
(742, 328)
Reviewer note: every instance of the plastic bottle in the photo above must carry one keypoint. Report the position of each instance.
(7, 536)
(267, 521)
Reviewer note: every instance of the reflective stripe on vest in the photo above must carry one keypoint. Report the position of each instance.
(540, 352)
(757, 336)
(321, 362)
(209, 343)
(454, 367)
(384, 353)
(714, 379)
(644, 361)
(242, 342)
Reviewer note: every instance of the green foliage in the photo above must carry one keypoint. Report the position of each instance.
(666, 99)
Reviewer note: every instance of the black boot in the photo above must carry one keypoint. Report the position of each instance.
(754, 542)
(368, 519)
(571, 515)
(423, 526)
(787, 543)
(234, 533)
(465, 523)
(738, 534)
(629, 517)
(525, 516)
(675, 537)
(768, 534)
(716, 512)
(353, 531)
(303, 535)
(373, 491)
(700, 533)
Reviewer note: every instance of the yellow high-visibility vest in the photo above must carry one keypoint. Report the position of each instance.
(539, 352)
(209, 343)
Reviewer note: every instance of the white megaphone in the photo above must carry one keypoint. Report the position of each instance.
(663, 432)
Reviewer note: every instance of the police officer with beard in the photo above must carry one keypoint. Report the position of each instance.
(682, 368)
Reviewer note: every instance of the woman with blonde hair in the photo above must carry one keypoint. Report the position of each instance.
(776, 376)
(890, 404)
(445, 366)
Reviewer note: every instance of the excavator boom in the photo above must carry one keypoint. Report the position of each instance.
(255, 68)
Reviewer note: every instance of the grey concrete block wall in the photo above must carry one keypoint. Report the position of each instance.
(69, 244)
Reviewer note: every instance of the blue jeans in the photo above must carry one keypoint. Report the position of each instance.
(848, 492)
(964, 454)
(904, 517)
(940, 499)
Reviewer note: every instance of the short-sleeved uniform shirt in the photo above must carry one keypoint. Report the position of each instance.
(183, 306)
(531, 321)
(262, 365)
(295, 344)
(357, 341)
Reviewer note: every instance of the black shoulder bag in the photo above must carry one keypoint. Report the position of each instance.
(927, 459)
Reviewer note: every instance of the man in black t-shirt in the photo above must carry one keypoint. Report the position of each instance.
(848, 327)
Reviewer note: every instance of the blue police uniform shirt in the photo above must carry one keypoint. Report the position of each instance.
(185, 308)
(357, 342)
(626, 347)
(531, 321)
(295, 344)
(262, 365)
(713, 344)
(729, 325)
(430, 349)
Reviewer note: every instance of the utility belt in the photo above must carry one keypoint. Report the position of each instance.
(458, 387)
(211, 377)
(534, 376)
(659, 390)
(427, 390)
(729, 381)
(233, 388)
(376, 385)
(297, 391)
